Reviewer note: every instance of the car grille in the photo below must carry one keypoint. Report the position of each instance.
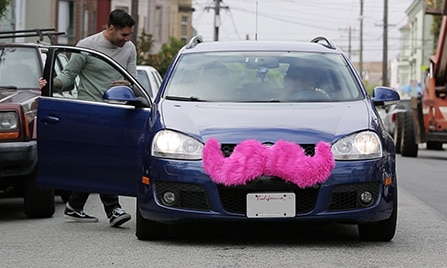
(227, 149)
(234, 198)
(189, 196)
(344, 197)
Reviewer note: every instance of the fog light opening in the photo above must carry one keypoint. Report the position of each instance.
(169, 198)
(366, 198)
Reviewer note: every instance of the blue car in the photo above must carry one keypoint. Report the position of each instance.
(239, 131)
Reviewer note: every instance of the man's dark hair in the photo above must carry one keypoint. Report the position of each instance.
(120, 19)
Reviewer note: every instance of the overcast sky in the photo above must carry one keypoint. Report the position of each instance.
(302, 20)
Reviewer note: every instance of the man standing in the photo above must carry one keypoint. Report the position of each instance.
(113, 41)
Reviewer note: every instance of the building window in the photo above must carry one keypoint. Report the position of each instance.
(184, 28)
(66, 21)
(123, 8)
(85, 28)
(158, 23)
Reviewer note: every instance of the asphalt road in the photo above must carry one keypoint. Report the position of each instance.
(420, 241)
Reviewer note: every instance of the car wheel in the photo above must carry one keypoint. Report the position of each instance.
(408, 147)
(150, 230)
(434, 145)
(382, 230)
(397, 135)
(38, 202)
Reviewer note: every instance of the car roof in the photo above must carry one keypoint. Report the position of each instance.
(145, 67)
(20, 44)
(260, 46)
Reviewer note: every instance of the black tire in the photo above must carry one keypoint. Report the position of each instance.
(38, 202)
(408, 147)
(382, 230)
(150, 230)
(397, 135)
(434, 145)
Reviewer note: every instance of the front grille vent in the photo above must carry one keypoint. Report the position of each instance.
(189, 196)
(345, 197)
(227, 149)
(233, 198)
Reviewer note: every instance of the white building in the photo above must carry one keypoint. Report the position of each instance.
(417, 44)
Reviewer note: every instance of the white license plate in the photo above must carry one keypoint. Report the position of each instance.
(271, 205)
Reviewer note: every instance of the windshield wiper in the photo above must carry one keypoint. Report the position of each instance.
(190, 98)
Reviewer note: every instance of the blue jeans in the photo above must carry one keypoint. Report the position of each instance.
(77, 201)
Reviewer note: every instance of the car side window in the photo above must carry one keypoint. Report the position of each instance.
(19, 67)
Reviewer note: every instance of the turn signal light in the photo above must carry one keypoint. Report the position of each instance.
(9, 135)
(388, 181)
(146, 180)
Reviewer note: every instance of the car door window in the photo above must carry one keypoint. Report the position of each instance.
(82, 76)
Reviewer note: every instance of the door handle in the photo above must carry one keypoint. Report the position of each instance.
(50, 120)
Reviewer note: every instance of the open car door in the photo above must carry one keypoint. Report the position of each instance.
(87, 145)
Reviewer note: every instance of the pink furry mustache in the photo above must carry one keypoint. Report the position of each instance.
(251, 159)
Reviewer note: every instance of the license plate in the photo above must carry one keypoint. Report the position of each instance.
(271, 205)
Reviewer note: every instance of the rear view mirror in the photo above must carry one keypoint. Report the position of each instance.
(256, 62)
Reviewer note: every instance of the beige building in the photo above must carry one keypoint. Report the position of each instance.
(172, 18)
(79, 18)
(162, 18)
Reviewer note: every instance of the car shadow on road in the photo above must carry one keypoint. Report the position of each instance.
(276, 233)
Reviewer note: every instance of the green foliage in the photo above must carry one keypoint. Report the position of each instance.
(144, 47)
(369, 88)
(160, 60)
(436, 25)
(3, 6)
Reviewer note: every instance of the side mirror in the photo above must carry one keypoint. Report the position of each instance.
(385, 96)
(123, 95)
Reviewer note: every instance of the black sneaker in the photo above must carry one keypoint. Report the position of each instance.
(118, 217)
(71, 214)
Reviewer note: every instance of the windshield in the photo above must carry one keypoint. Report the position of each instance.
(262, 76)
(19, 67)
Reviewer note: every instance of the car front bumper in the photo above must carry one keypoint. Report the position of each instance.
(336, 200)
(17, 158)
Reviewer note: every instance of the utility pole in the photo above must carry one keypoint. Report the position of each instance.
(385, 44)
(216, 8)
(349, 45)
(361, 40)
(216, 19)
(350, 31)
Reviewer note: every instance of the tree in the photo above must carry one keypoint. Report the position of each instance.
(144, 47)
(3, 6)
(437, 19)
(162, 59)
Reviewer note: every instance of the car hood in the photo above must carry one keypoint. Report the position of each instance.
(18, 96)
(304, 123)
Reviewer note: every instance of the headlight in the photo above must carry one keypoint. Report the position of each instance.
(363, 145)
(9, 121)
(171, 144)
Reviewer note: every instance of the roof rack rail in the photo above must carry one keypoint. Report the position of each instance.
(41, 33)
(328, 44)
(194, 41)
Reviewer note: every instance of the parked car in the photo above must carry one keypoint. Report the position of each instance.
(391, 112)
(21, 65)
(150, 78)
(393, 119)
(230, 138)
